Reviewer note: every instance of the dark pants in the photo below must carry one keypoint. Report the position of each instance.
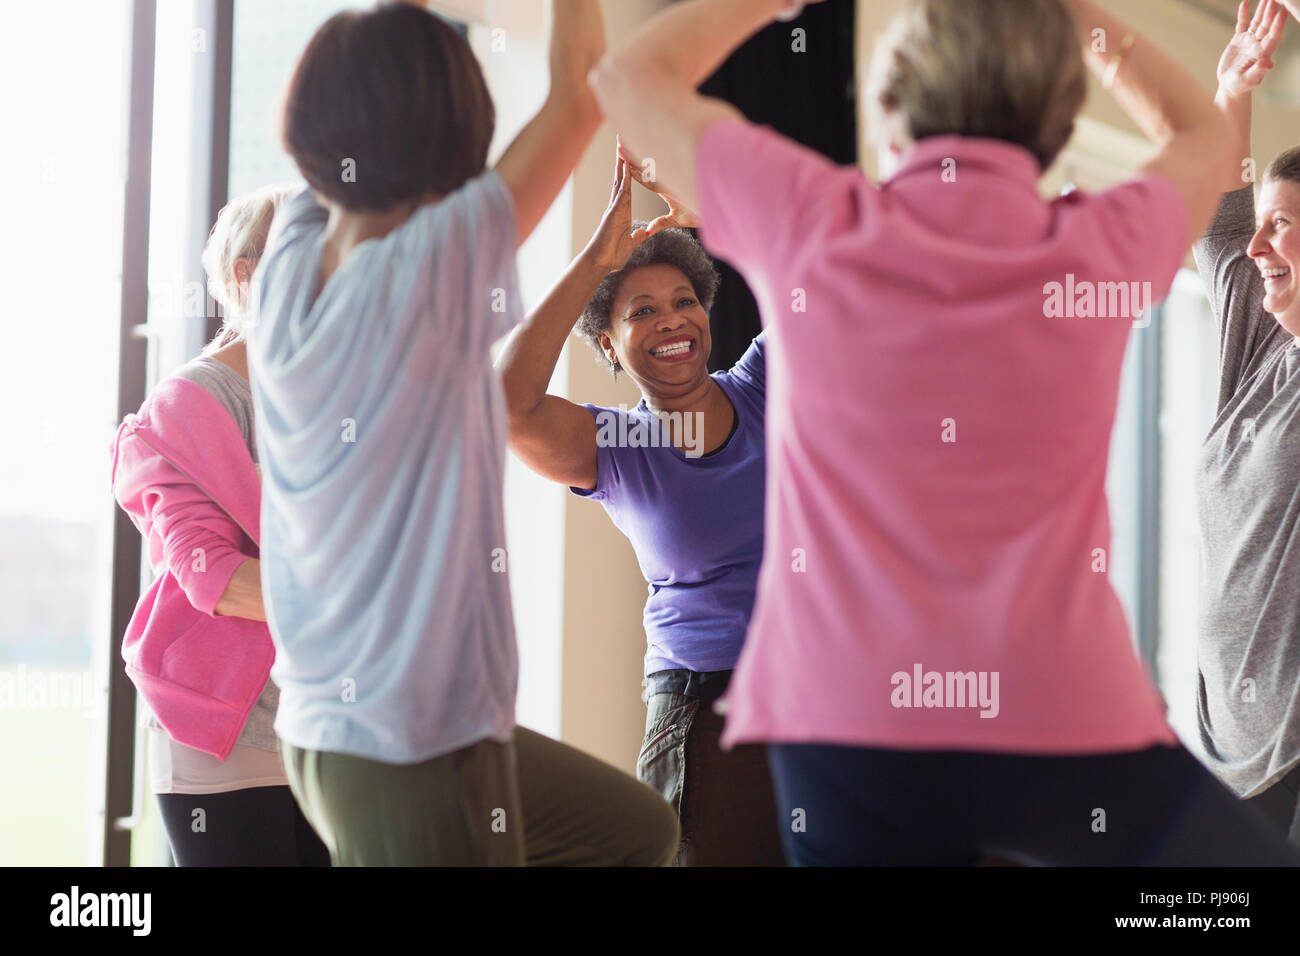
(851, 806)
(532, 801)
(260, 826)
(1281, 804)
(723, 799)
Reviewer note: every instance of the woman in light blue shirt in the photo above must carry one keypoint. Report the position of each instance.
(382, 430)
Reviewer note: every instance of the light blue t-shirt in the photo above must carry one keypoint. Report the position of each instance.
(382, 431)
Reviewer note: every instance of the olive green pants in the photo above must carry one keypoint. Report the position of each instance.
(534, 802)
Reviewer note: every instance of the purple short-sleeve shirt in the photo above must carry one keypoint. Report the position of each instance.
(695, 521)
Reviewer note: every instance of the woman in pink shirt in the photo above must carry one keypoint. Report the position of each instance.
(936, 657)
(197, 648)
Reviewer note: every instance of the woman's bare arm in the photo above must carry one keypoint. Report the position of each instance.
(1170, 106)
(536, 164)
(1246, 60)
(552, 436)
(646, 85)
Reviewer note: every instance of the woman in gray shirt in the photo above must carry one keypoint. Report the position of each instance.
(1247, 483)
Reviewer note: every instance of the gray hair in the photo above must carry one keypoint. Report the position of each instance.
(240, 232)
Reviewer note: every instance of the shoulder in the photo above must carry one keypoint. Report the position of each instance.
(1145, 195)
(179, 401)
(1138, 226)
(606, 414)
(751, 368)
(300, 211)
(209, 372)
(627, 433)
(485, 198)
(296, 228)
(739, 145)
(762, 195)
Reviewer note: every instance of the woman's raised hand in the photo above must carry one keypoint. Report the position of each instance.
(615, 240)
(1249, 54)
(678, 214)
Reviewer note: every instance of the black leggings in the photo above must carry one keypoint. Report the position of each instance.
(852, 806)
(1281, 804)
(260, 826)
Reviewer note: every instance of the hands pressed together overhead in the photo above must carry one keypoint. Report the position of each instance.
(615, 240)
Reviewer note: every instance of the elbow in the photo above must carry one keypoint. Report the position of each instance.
(577, 102)
(1224, 138)
(610, 82)
(519, 418)
(522, 397)
(520, 406)
(600, 80)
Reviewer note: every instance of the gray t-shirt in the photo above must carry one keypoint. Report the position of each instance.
(232, 390)
(1248, 489)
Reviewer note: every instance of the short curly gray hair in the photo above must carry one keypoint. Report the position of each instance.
(674, 247)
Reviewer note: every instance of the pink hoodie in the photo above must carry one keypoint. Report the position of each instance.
(182, 472)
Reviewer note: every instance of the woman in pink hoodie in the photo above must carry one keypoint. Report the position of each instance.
(198, 648)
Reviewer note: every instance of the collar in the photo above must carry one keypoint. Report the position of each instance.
(995, 156)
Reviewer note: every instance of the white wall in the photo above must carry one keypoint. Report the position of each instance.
(514, 58)
(576, 588)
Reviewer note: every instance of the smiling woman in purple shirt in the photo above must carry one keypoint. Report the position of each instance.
(682, 475)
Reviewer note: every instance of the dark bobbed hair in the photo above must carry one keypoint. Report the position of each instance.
(398, 91)
(673, 247)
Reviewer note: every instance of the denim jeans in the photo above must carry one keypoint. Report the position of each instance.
(724, 800)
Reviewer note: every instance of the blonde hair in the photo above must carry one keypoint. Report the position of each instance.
(240, 232)
(1000, 69)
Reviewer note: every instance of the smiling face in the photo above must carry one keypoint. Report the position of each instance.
(658, 331)
(1275, 250)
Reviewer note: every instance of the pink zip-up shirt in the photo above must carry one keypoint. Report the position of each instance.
(183, 473)
(937, 535)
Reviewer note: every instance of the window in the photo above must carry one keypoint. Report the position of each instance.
(63, 248)
(1187, 410)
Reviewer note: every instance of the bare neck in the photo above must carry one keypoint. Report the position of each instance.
(348, 228)
(234, 356)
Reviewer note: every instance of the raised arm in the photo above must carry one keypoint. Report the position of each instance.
(1168, 104)
(646, 86)
(554, 437)
(1246, 60)
(1234, 284)
(1232, 280)
(536, 164)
